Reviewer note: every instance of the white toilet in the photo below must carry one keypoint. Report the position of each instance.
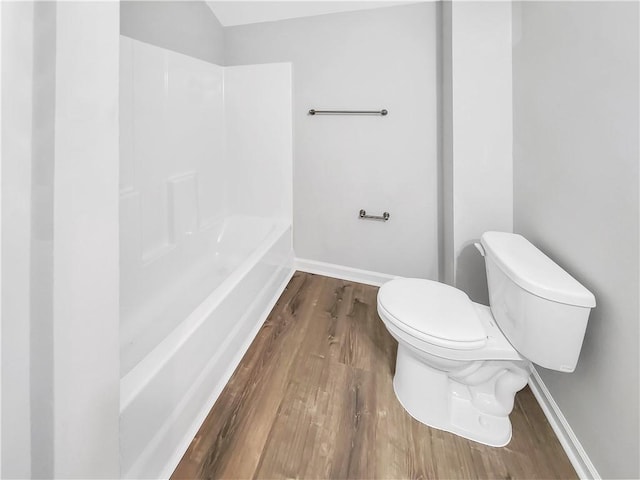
(460, 364)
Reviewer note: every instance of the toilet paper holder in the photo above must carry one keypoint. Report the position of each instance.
(384, 217)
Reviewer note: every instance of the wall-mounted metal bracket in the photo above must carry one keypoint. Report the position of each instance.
(384, 217)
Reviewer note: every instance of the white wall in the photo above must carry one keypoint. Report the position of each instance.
(41, 272)
(29, 71)
(477, 131)
(59, 152)
(17, 101)
(240, 13)
(576, 150)
(85, 331)
(0, 243)
(259, 139)
(189, 27)
(382, 58)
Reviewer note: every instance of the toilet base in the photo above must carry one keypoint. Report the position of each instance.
(433, 398)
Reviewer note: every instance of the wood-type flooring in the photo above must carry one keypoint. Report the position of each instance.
(313, 399)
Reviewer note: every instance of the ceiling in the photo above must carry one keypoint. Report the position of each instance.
(237, 12)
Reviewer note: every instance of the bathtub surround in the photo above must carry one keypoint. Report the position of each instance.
(172, 151)
(205, 237)
(576, 140)
(381, 58)
(259, 140)
(187, 27)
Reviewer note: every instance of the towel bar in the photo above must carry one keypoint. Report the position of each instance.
(382, 112)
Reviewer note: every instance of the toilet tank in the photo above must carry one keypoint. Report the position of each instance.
(540, 308)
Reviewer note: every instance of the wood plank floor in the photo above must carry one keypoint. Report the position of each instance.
(313, 398)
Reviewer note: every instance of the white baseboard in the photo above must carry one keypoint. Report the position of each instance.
(342, 272)
(570, 443)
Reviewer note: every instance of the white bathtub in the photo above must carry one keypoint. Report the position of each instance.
(183, 346)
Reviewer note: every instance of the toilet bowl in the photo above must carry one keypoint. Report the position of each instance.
(456, 369)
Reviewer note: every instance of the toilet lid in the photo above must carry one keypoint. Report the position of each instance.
(433, 312)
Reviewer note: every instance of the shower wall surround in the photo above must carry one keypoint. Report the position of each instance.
(205, 236)
(172, 151)
(259, 143)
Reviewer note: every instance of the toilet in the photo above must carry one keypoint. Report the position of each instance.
(459, 364)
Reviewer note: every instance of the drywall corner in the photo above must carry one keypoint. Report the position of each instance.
(188, 27)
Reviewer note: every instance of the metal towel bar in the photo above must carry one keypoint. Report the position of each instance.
(382, 112)
(384, 217)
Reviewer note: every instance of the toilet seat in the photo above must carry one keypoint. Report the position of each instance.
(433, 312)
(441, 320)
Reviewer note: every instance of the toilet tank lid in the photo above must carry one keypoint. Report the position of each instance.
(533, 271)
